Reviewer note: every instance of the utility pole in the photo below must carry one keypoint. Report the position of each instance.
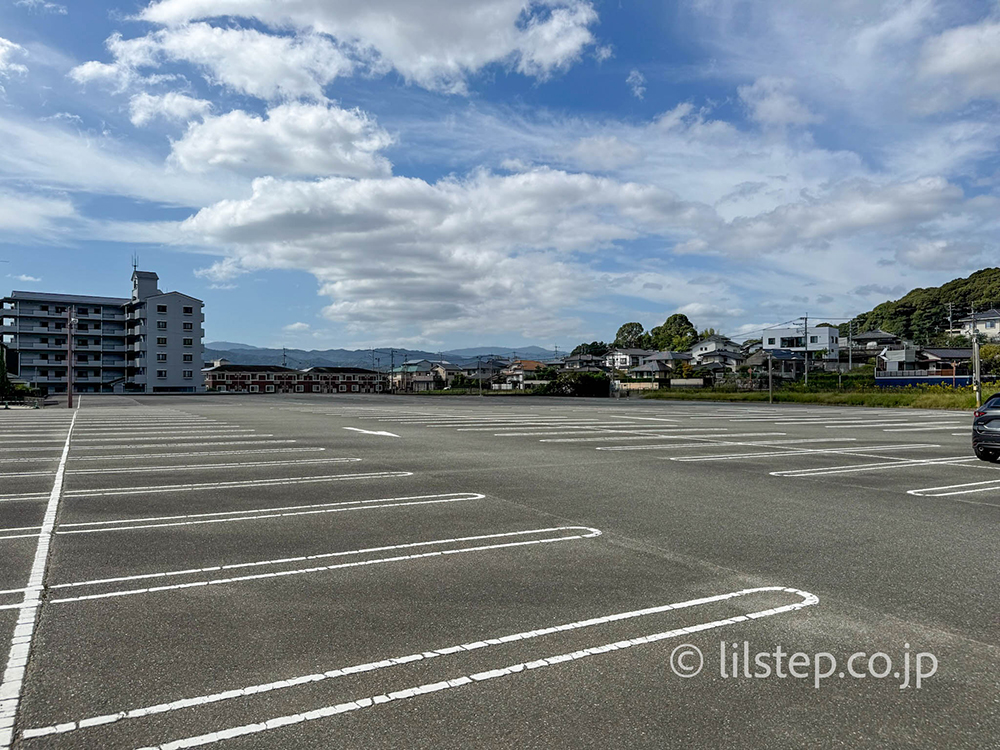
(951, 325)
(976, 385)
(850, 346)
(392, 370)
(805, 340)
(479, 373)
(770, 378)
(69, 357)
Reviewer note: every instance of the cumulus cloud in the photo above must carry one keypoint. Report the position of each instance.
(604, 152)
(941, 255)
(967, 58)
(247, 61)
(23, 277)
(144, 108)
(770, 102)
(293, 139)
(435, 44)
(9, 52)
(636, 82)
(442, 256)
(296, 327)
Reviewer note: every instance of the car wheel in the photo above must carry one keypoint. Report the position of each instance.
(987, 454)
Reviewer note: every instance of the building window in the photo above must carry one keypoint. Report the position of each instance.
(343, 389)
(44, 308)
(316, 389)
(188, 374)
(814, 339)
(161, 374)
(161, 340)
(991, 324)
(161, 357)
(299, 389)
(189, 326)
(189, 311)
(161, 325)
(268, 389)
(354, 388)
(254, 389)
(188, 342)
(189, 358)
(161, 308)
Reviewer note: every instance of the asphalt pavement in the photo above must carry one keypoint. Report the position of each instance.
(275, 571)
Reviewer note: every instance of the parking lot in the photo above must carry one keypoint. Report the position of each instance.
(315, 572)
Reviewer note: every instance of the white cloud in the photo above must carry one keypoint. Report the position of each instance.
(144, 108)
(9, 51)
(23, 277)
(436, 43)
(770, 102)
(49, 154)
(43, 6)
(637, 83)
(488, 251)
(967, 58)
(243, 60)
(605, 152)
(296, 327)
(33, 214)
(293, 139)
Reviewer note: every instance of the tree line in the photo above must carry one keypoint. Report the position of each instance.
(677, 334)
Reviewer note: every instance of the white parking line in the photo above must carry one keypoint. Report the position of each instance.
(170, 454)
(890, 462)
(389, 662)
(704, 442)
(957, 489)
(865, 451)
(201, 486)
(590, 533)
(166, 440)
(24, 630)
(193, 519)
(191, 467)
(323, 556)
(479, 677)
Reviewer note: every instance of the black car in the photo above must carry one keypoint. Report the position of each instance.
(986, 429)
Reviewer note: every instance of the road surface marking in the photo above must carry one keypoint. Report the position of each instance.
(372, 432)
(24, 630)
(478, 677)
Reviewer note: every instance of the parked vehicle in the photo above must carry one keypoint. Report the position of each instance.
(986, 430)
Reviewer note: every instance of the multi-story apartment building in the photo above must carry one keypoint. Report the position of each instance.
(149, 343)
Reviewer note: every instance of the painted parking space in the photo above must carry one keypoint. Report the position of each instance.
(274, 605)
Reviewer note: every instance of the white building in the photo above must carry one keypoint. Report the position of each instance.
(987, 324)
(820, 339)
(149, 343)
(624, 359)
(717, 349)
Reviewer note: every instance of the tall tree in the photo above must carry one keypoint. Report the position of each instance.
(596, 348)
(676, 334)
(629, 336)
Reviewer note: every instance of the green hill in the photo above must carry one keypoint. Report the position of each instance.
(922, 314)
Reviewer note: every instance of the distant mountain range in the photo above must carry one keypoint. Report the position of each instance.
(245, 354)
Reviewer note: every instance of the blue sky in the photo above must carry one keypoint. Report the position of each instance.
(327, 173)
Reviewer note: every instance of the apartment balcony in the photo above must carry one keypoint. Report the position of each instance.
(112, 316)
(48, 379)
(27, 346)
(112, 347)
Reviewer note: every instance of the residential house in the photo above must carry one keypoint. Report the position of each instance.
(625, 359)
(414, 375)
(876, 339)
(987, 323)
(583, 362)
(658, 365)
(783, 363)
(825, 339)
(718, 350)
(520, 370)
